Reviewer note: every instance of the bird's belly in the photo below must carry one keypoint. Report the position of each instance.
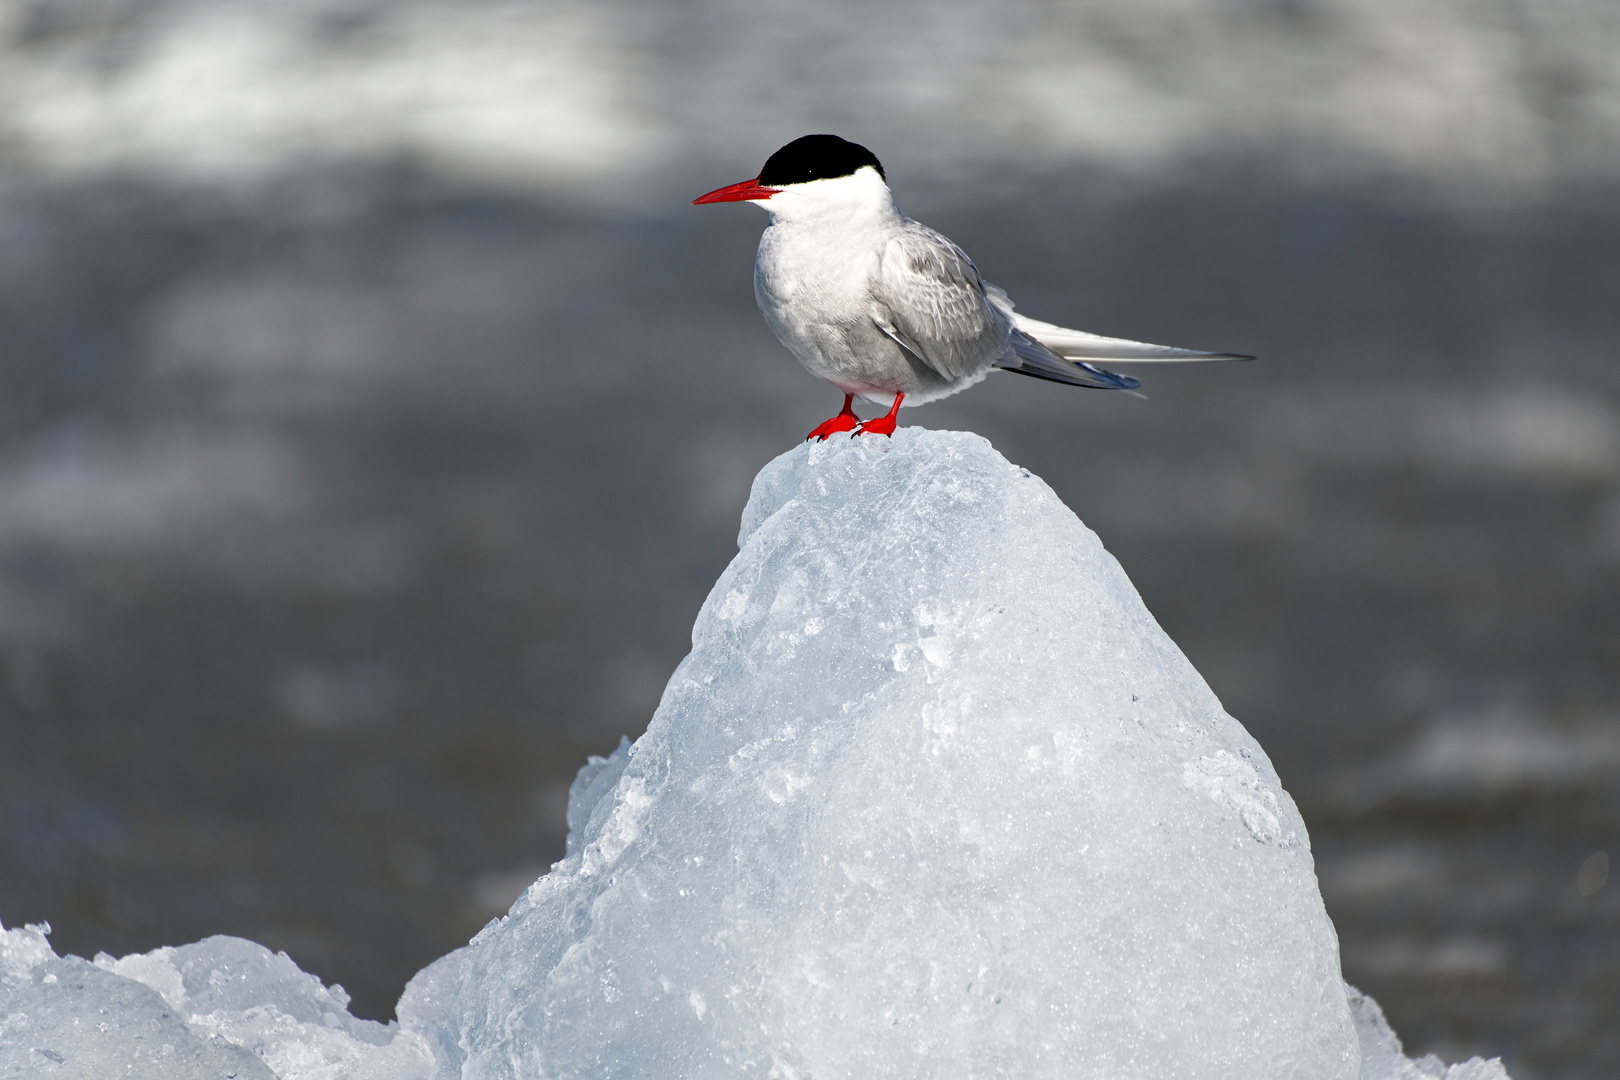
(824, 322)
(857, 359)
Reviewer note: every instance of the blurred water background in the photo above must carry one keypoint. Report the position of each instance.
(375, 414)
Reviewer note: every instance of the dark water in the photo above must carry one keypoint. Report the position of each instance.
(330, 547)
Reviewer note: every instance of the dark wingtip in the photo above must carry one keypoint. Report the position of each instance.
(1121, 382)
(1117, 381)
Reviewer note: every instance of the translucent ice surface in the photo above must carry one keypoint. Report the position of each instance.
(219, 1008)
(932, 796)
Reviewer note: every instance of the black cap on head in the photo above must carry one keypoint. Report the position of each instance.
(816, 157)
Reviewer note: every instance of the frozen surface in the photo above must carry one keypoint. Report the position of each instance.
(933, 795)
(219, 1008)
(1381, 1057)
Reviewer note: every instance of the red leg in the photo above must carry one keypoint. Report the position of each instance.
(883, 425)
(844, 421)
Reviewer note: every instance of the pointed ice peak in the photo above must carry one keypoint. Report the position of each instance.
(932, 795)
(918, 803)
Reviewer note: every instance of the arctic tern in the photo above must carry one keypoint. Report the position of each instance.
(885, 308)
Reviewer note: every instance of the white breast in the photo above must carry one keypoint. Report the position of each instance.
(814, 272)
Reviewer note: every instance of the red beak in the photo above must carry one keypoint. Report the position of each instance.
(743, 192)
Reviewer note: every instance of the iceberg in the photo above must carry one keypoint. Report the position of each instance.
(932, 795)
(219, 1008)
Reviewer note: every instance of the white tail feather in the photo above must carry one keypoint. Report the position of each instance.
(1079, 345)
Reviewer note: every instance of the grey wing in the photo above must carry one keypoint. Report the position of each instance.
(1080, 346)
(929, 298)
(1028, 356)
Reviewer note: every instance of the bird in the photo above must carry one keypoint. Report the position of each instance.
(885, 308)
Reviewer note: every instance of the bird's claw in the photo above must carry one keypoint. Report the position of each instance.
(881, 425)
(841, 422)
(845, 420)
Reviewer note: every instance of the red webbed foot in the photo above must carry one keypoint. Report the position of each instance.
(841, 422)
(844, 421)
(882, 425)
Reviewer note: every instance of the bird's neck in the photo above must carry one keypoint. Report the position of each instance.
(858, 203)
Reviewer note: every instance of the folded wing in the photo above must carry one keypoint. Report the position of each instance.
(1029, 357)
(929, 298)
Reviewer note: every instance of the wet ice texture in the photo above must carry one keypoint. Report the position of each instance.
(219, 1008)
(933, 795)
